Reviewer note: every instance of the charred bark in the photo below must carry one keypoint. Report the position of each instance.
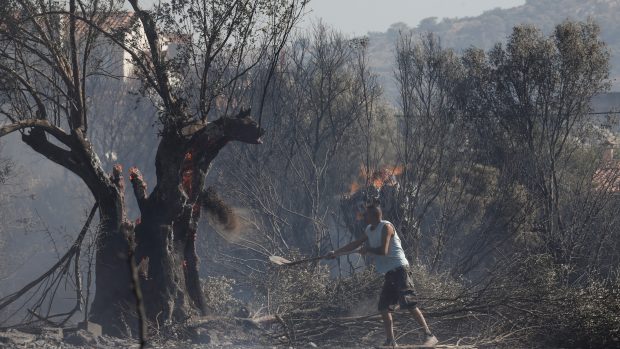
(51, 70)
(113, 278)
(166, 232)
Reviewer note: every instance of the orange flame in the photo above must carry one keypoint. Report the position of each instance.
(354, 188)
(377, 178)
(377, 182)
(396, 170)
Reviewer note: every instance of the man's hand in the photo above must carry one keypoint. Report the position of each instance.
(346, 248)
(364, 250)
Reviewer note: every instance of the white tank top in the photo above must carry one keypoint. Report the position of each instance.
(396, 255)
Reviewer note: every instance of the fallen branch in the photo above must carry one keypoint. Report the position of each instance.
(63, 267)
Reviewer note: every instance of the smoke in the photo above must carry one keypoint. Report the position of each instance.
(219, 211)
(365, 307)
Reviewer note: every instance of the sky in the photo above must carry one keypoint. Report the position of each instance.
(357, 17)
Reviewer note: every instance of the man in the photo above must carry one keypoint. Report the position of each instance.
(384, 245)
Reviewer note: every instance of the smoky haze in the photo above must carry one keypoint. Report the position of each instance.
(337, 121)
(357, 17)
(52, 193)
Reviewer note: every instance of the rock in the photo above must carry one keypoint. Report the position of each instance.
(39, 344)
(200, 335)
(81, 338)
(242, 312)
(52, 333)
(105, 340)
(15, 337)
(91, 327)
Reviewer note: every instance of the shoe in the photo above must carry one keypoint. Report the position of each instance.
(390, 343)
(429, 341)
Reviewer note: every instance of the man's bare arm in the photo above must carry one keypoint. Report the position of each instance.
(350, 246)
(388, 231)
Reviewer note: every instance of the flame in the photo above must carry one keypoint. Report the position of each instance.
(354, 188)
(396, 170)
(376, 177)
(377, 183)
(386, 176)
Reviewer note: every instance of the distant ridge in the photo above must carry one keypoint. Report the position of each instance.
(495, 25)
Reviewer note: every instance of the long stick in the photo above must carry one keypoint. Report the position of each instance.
(283, 261)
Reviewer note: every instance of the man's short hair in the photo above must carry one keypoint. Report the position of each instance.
(374, 209)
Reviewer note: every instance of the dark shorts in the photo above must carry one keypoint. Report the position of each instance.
(397, 290)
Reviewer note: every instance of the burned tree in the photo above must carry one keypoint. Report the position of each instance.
(432, 145)
(48, 60)
(316, 102)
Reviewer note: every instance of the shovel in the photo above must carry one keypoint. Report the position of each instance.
(283, 261)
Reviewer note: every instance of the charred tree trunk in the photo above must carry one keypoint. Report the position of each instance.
(165, 234)
(112, 284)
(48, 65)
(112, 275)
(113, 279)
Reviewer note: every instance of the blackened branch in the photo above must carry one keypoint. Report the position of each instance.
(55, 275)
(139, 186)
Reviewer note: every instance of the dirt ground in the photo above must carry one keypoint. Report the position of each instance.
(208, 334)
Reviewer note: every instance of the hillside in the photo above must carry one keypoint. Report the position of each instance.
(493, 26)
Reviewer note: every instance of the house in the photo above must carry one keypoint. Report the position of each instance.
(607, 176)
(106, 56)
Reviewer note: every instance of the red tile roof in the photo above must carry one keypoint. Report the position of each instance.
(114, 21)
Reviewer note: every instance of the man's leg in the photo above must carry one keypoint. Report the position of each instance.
(417, 315)
(430, 340)
(388, 325)
(387, 300)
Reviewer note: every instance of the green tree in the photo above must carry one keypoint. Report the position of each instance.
(529, 100)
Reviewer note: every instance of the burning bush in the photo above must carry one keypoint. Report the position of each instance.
(381, 188)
